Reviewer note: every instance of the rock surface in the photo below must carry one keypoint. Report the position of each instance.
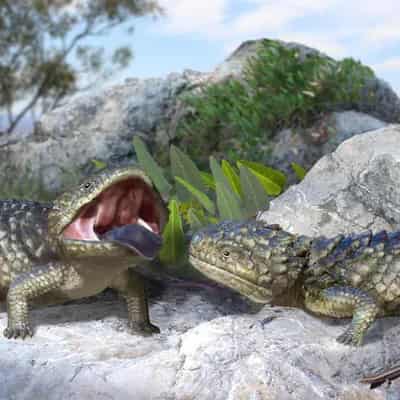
(353, 189)
(82, 351)
(97, 126)
(307, 146)
(211, 345)
(100, 125)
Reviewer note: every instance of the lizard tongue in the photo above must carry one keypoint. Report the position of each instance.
(136, 237)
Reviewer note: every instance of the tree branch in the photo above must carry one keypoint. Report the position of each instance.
(46, 79)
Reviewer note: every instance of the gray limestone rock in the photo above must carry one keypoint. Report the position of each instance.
(307, 146)
(352, 189)
(100, 125)
(210, 348)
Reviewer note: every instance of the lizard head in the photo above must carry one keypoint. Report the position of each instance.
(259, 261)
(108, 213)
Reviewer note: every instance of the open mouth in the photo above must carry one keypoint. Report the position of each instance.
(128, 212)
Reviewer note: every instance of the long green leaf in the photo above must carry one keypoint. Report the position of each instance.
(150, 166)
(253, 192)
(208, 180)
(198, 195)
(228, 202)
(173, 236)
(298, 170)
(270, 187)
(184, 167)
(232, 176)
(195, 221)
(272, 174)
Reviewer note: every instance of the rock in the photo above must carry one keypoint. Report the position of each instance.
(212, 345)
(96, 126)
(306, 146)
(100, 125)
(384, 104)
(352, 189)
(209, 349)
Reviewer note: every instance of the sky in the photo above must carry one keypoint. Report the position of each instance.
(199, 34)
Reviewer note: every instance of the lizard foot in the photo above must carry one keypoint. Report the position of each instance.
(143, 328)
(21, 330)
(348, 337)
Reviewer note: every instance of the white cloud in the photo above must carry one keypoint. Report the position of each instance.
(272, 15)
(390, 64)
(194, 16)
(367, 21)
(339, 28)
(383, 33)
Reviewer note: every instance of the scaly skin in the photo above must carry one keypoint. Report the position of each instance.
(40, 264)
(356, 276)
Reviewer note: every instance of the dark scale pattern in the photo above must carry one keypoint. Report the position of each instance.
(355, 276)
(367, 261)
(37, 263)
(23, 231)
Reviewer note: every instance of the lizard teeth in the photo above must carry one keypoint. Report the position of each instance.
(140, 221)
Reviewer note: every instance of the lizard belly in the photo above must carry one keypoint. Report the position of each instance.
(88, 279)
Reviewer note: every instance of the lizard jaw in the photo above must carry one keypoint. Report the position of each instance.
(123, 204)
(252, 291)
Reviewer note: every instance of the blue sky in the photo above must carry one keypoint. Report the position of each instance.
(199, 34)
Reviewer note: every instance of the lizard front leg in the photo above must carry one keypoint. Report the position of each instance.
(131, 286)
(26, 287)
(344, 301)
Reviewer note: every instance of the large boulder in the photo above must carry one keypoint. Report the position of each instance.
(352, 189)
(209, 349)
(305, 146)
(213, 346)
(101, 124)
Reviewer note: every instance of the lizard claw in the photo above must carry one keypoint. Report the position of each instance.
(18, 331)
(143, 328)
(348, 337)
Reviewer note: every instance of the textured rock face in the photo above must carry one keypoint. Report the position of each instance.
(98, 126)
(212, 347)
(101, 125)
(353, 189)
(306, 146)
(83, 352)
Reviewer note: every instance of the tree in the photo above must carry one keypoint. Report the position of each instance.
(44, 51)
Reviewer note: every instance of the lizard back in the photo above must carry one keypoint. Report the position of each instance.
(367, 261)
(23, 238)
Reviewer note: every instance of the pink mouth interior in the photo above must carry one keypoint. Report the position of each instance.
(127, 202)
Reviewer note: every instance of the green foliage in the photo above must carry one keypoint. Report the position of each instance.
(253, 191)
(183, 167)
(228, 202)
(272, 180)
(202, 198)
(46, 44)
(298, 170)
(229, 192)
(151, 167)
(173, 237)
(279, 88)
(232, 176)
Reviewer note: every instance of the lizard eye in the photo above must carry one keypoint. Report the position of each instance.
(226, 253)
(87, 185)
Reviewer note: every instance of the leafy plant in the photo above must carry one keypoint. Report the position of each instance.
(279, 88)
(49, 50)
(199, 198)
